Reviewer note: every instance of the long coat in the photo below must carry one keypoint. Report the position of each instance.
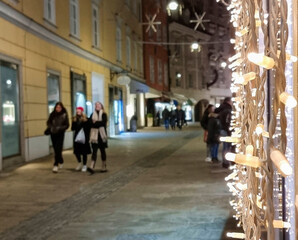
(80, 148)
(98, 124)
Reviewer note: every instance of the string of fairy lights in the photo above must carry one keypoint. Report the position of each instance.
(261, 154)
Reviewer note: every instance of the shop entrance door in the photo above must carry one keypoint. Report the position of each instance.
(9, 99)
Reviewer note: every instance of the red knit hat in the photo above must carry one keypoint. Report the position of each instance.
(81, 108)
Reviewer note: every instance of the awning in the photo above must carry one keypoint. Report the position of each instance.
(138, 87)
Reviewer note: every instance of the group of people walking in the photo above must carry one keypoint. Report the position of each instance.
(87, 131)
(216, 123)
(173, 118)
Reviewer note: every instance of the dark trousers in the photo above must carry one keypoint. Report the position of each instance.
(95, 148)
(84, 158)
(57, 141)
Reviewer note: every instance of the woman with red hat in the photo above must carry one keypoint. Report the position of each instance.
(81, 146)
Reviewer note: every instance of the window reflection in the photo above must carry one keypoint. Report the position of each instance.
(9, 116)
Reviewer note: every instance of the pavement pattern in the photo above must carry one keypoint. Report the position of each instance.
(157, 187)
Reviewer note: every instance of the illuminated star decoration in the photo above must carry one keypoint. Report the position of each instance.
(199, 21)
(151, 23)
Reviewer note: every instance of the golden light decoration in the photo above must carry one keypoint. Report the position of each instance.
(260, 155)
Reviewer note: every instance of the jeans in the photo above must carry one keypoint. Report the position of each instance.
(57, 141)
(214, 150)
(167, 123)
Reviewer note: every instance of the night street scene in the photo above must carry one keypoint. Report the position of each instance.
(148, 119)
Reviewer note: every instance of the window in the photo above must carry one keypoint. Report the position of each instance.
(165, 72)
(119, 44)
(49, 11)
(128, 52)
(74, 18)
(159, 69)
(190, 81)
(158, 33)
(134, 6)
(78, 88)
(141, 61)
(95, 26)
(135, 49)
(53, 91)
(127, 2)
(151, 66)
(9, 114)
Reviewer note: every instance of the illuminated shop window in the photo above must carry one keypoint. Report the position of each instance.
(9, 113)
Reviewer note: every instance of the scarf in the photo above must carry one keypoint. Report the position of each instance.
(95, 131)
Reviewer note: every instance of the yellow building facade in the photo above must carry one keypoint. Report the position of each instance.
(67, 50)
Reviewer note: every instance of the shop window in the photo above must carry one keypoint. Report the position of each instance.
(78, 91)
(9, 99)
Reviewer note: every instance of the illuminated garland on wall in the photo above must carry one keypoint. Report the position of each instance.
(260, 147)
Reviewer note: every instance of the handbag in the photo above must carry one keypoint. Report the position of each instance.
(80, 138)
(47, 131)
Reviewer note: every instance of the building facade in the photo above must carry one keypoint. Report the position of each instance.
(155, 39)
(71, 51)
(200, 76)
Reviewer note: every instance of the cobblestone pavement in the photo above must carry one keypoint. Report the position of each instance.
(158, 187)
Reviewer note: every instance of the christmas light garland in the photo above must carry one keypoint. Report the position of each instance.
(261, 36)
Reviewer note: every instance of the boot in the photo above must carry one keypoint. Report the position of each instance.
(104, 167)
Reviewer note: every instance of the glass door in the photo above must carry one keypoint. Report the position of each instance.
(9, 99)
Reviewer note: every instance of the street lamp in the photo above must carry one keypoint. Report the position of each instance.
(174, 5)
(195, 47)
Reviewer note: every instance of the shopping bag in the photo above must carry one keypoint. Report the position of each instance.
(80, 138)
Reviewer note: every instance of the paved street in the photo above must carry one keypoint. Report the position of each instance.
(158, 187)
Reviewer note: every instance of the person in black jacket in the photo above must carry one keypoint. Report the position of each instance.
(81, 147)
(225, 114)
(98, 136)
(204, 124)
(213, 135)
(57, 124)
(180, 117)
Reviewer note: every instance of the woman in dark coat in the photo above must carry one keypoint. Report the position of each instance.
(98, 136)
(57, 124)
(213, 135)
(80, 121)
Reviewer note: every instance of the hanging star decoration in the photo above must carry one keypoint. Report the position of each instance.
(199, 21)
(151, 23)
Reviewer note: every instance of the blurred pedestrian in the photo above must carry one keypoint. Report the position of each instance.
(98, 136)
(166, 117)
(158, 118)
(180, 117)
(225, 114)
(81, 145)
(173, 118)
(204, 124)
(213, 135)
(57, 124)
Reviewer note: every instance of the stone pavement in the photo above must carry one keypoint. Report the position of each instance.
(157, 187)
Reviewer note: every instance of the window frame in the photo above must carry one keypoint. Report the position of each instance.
(46, 16)
(152, 69)
(118, 44)
(128, 51)
(95, 29)
(74, 22)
